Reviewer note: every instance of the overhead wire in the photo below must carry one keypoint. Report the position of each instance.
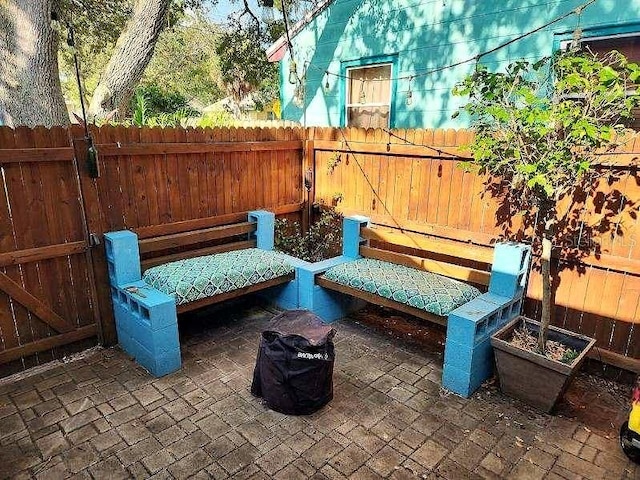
(476, 58)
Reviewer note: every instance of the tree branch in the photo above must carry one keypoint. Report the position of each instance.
(247, 10)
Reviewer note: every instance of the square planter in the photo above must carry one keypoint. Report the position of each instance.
(531, 377)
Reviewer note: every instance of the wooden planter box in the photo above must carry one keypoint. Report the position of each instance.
(531, 377)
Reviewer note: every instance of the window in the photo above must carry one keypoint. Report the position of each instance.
(628, 44)
(368, 92)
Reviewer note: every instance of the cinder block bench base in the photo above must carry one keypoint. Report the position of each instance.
(146, 318)
(468, 353)
(147, 327)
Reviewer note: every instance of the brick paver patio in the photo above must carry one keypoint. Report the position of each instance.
(105, 417)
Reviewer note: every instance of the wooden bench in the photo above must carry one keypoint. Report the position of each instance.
(475, 290)
(211, 265)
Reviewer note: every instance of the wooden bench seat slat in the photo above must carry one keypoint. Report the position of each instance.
(227, 247)
(450, 270)
(378, 300)
(420, 242)
(189, 238)
(185, 307)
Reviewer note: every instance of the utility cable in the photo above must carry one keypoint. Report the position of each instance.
(476, 58)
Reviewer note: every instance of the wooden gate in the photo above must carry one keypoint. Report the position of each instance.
(47, 289)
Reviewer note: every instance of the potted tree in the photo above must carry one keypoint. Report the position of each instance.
(540, 128)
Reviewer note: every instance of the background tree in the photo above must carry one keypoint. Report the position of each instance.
(30, 89)
(185, 61)
(539, 129)
(115, 40)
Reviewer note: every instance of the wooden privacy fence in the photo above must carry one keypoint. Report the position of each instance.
(54, 296)
(410, 180)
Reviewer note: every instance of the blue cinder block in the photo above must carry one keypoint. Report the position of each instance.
(468, 359)
(509, 269)
(466, 369)
(351, 235)
(123, 257)
(283, 296)
(147, 327)
(327, 304)
(462, 382)
(265, 229)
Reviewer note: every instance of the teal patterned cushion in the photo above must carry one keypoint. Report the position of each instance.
(202, 277)
(424, 290)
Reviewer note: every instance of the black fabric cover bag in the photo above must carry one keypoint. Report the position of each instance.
(294, 368)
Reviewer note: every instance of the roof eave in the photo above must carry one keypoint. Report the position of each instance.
(276, 51)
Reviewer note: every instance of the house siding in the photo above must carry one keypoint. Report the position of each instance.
(427, 35)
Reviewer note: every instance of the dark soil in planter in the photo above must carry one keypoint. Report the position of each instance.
(527, 339)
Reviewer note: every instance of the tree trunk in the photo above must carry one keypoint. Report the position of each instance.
(132, 53)
(30, 91)
(545, 259)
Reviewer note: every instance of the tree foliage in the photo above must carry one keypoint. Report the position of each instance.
(539, 129)
(185, 60)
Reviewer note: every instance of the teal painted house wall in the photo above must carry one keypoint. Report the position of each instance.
(426, 35)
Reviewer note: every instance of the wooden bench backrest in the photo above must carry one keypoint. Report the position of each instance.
(442, 248)
(153, 249)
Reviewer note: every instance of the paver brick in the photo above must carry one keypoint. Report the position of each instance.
(239, 458)
(386, 461)
(189, 443)
(109, 469)
(213, 426)
(80, 420)
(106, 439)
(83, 434)
(580, 467)
(138, 451)
(126, 415)
(10, 425)
(80, 457)
(526, 470)
(429, 454)
(52, 444)
(190, 464)
(322, 451)
(349, 459)
(276, 459)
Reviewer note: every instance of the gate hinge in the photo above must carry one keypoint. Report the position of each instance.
(94, 239)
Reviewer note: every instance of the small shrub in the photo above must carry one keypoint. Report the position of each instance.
(323, 239)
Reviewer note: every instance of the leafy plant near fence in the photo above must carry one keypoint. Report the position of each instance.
(540, 129)
(322, 240)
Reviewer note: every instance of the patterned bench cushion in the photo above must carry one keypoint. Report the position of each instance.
(424, 290)
(202, 277)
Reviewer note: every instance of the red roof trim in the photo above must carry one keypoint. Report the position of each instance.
(276, 51)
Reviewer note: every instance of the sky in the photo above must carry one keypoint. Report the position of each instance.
(221, 11)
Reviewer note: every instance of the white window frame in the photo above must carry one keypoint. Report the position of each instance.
(348, 104)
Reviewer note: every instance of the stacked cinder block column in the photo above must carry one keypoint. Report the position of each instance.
(468, 356)
(284, 296)
(146, 318)
(327, 304)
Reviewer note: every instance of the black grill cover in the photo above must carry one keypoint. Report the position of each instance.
(294, 368)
